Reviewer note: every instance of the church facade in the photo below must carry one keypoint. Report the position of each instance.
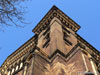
(55, 49)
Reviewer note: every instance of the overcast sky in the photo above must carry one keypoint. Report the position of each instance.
(84, 12)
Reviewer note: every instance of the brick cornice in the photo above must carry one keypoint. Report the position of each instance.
(55, 12)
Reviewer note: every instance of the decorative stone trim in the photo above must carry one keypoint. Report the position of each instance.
(17, 55)
(55, 12)
(88, 48)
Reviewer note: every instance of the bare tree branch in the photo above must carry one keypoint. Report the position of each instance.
(11, 12)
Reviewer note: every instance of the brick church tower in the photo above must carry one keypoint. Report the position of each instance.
(55, 49)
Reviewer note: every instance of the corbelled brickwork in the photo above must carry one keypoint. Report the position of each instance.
(55, 49)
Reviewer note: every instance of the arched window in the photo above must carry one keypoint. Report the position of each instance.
(21, 65)
(12, 71)
(16, 67)
(8, 72)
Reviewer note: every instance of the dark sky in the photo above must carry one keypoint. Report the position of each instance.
(85, 12)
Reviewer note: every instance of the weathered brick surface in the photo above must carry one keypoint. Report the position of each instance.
(20, 72)
(60, 65)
